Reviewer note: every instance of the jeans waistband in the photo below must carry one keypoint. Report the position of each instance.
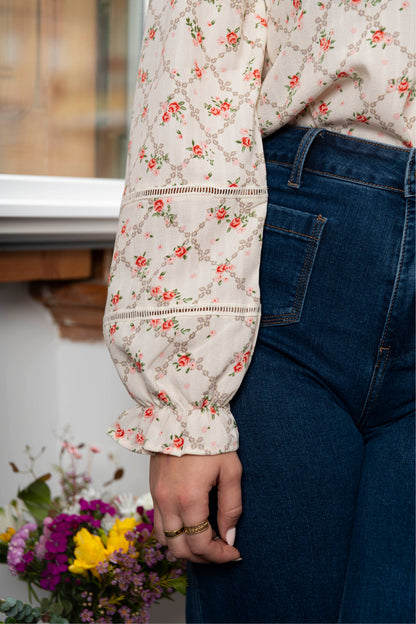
(324, 152)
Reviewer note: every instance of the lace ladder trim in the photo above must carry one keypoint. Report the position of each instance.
(184, 190)
(158, 312)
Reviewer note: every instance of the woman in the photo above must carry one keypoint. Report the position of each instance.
(271, 163)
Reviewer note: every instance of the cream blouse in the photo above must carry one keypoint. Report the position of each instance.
(183, 306)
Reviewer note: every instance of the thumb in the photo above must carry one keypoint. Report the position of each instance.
(229, 500)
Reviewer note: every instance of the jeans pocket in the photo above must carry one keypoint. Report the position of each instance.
(290, 241)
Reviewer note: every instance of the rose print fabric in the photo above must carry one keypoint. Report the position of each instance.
(183, 306)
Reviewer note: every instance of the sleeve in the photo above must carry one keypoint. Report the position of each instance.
(183, 305)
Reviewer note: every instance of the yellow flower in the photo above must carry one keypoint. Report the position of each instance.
(7, 536)
(116, 537)
(89, 552)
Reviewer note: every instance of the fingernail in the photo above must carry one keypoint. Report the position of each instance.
(239, 559)
(230, 536)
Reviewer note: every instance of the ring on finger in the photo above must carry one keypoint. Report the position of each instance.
(197, 528)
(174, 533)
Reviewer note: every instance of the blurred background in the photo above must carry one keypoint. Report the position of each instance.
(67, 77)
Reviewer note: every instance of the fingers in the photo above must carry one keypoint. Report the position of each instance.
(158, 524)
(229, 501)
(180, 488)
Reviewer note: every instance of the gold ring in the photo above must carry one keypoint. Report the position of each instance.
(197, 528)
(174, 533)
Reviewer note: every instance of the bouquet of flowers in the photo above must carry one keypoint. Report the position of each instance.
(99, 559)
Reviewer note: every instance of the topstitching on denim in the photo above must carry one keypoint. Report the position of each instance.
(303, 279)
(338, 177)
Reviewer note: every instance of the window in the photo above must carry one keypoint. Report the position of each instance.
(67, 81)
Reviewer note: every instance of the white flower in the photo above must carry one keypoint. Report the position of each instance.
(145, 501)
(14, 515)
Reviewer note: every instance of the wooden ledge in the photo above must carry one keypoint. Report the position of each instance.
(77, 306)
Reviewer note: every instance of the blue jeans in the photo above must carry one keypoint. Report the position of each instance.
(326, 410)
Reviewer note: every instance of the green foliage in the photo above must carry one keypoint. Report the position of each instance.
(37, 498)
(17, 611)
(179, 584)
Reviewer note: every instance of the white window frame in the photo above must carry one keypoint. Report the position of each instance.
(59, 211)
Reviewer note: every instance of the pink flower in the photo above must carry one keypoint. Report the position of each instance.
(173, 107)
(232, 38)
(155, 322)
(198, 70)
(178, 442)
(403, 86)
(115, 299)
(155, 291)
(324, 44)
(181, 251)
(139, 439)
(162, 396)
(221, 213)
(152, 163)
(151, 33)
(377, 36)
(361, 118)
(235, 222)
(294, 82)
(197, 150)
(183, 361)
(119, 433)
(166, 116)
(141, 261)
(167, 325)
(168, 295)
(245, 357)
(246, 141)
(94, 449)
(238, 367)
(214, 111)
(323, 109)
(221, 268)
(113, 329)
(148, 413)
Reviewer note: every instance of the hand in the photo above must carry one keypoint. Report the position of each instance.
(180, 489)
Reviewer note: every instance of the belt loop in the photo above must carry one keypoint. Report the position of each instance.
(410, 175)
(304, 145)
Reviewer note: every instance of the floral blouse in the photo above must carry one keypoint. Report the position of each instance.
(183, 306)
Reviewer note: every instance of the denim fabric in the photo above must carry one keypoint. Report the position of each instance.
(326, 410)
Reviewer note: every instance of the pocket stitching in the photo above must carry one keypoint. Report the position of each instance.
(310, 254)
(292, 231)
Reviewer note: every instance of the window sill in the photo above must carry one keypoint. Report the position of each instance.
(45, 212)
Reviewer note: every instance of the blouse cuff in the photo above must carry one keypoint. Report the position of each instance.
(202, 431)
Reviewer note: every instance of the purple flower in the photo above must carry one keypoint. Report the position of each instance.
(87, 616)
(16, 559)
(96, 505)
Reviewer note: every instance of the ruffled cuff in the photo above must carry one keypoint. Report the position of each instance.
(203, 431)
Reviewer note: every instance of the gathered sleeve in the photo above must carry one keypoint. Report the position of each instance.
(183, 304)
